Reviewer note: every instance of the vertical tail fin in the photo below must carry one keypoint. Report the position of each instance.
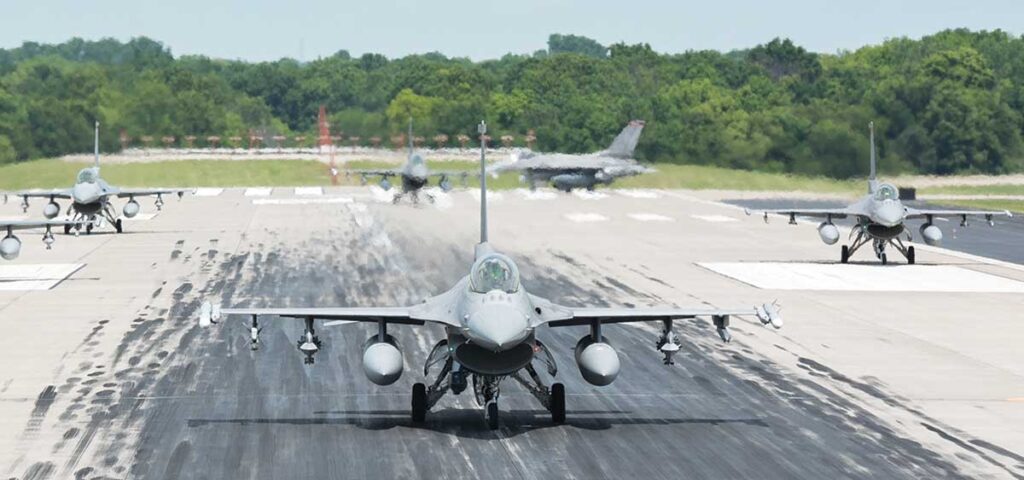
(96, 145)
(625, 142)
(410, 136)
(872, 176)
(482, 130)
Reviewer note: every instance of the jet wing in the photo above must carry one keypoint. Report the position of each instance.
(561, 316)
(28, 224)
(807, 212)
(916, 213)
(402, 315)
(371, 172)
(56, 193)
(144, 192)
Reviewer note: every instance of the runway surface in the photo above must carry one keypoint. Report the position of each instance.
(857, 385)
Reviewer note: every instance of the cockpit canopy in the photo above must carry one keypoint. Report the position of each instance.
(416, 159)
(494, 272)
(887, 192)
(88, 175)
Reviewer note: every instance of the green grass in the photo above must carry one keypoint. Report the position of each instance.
(974, 190)
(222, 173)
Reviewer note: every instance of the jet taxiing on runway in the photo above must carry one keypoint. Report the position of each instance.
(414, 175)
(10, 245)
(881, 218)
(90, 197)
(491, 323)
(567, 171)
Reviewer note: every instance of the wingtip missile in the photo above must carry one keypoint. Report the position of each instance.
(770, 314)
(209, 314)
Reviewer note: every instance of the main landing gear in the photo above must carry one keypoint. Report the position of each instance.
(879, 246)
(487, 388)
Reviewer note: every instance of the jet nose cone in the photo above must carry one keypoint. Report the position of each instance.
(497, 327)
(84, 193)
(889, 214)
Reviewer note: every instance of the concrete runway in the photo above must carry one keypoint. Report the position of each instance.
(857, 385)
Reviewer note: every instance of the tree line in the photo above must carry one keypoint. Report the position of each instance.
(947, 103)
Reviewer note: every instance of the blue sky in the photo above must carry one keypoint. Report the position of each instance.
(266, 30)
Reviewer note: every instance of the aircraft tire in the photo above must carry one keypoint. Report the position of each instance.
(419, 403)
(88, 228)
(67, 229)
(492, 415)
(118, 226)
(910, 256)
(845, 256)
(558, 403)
(885, 259)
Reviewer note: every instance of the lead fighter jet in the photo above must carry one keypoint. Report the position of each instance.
(491, 323)
(881, 217)
(90, 198)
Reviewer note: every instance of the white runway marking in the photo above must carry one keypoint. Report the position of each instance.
(588, 195)
(208, 192)
(258, 191)
(714, 218)
(876, 278)
(638, 193)
(586, 217)
(309, 190)
(650, 217)
(42, 276)
(536, 194)
(301, 201)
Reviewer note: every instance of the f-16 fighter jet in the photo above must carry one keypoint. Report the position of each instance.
(90, 198)
(881, 217)
(568, 171)
(415, 176)
(491, 325)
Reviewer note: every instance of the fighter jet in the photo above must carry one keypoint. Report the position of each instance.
(90, 198)
(10, 246)
(880, 219)
(414, 175)
(566, 171)
(492, 326)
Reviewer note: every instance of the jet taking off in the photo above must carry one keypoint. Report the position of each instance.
(90, 197)
(491, 323)
(881, 217)
(10, 245)
(567, 171)
(414, 175)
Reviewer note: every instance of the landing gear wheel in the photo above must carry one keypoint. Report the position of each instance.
(419, 403)
(118, 226)
(884, 259)
(396, 200)
(88, 228)
(67, 229)
(910, 256)
(845, 256)
(492, 415)
(558, 403)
